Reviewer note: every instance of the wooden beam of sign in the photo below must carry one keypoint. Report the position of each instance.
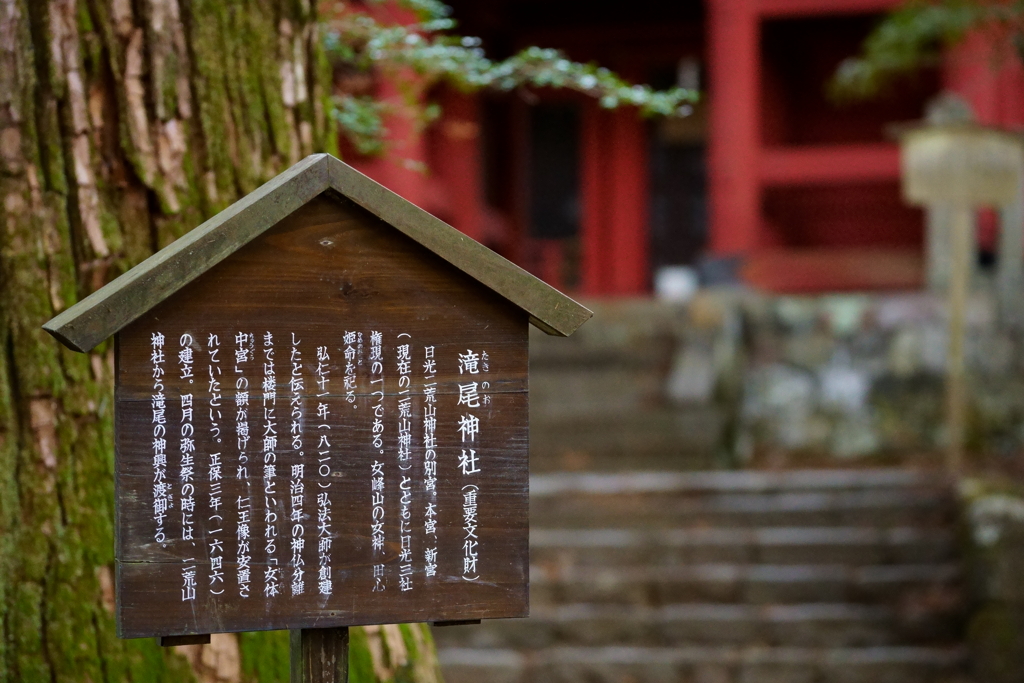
(175, 641)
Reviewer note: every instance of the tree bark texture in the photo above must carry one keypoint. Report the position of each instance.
(123, 124)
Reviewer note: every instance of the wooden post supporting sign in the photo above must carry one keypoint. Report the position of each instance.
(321, 419)
(319, 655)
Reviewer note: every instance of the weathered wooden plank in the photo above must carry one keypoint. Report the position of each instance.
(111, 308)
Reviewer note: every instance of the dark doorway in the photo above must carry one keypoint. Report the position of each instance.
(678, 203)
(554, 171)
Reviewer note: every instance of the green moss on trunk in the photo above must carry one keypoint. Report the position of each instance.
(56, 434)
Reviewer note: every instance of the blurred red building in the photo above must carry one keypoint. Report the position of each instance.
(768, 181)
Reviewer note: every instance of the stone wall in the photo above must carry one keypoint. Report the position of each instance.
(994, 535)
(854, 376)
(731, 376)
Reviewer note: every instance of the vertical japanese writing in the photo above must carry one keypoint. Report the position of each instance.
(245, 352)
(186, 474)
(188, 580)
(404, 371)
(325, 582)
(162, 496)
(187, 442)
(430, 461)
(297, 487)
(470, 542)
(377, 468)
(244, 534)
(214, 542)
(485, 386)
(351, 339)
(469, 428)
(377, 384)
(244, 513)
(405, 535)
(272, 572)
(377, 523)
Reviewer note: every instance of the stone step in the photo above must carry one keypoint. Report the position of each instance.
(641, 353)
(882, 508)
(739, 583)
(654, 438)
(556, 395)
(745, 481)
(628, 664)
(635, 333)
(805, 625)
(853, 546)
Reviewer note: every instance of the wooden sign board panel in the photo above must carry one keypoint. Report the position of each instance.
(327, 428)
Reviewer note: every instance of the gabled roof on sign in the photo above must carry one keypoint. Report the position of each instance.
(113, 307)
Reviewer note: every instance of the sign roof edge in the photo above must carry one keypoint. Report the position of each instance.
(114, 306)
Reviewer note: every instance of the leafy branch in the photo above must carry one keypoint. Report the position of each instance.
(362, 43)
(914, 37)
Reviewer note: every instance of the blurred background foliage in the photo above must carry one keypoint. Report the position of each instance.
(915, 35)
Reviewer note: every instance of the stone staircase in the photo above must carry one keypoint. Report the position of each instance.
(648, 565)
(823, 576)
(634, 388)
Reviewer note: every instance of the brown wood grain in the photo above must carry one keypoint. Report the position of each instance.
(328, 269)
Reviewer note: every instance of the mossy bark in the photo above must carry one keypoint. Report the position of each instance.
(123, 124)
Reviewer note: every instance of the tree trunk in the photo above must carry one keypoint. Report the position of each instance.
(124, 123)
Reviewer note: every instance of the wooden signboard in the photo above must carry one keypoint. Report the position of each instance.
(321, 415)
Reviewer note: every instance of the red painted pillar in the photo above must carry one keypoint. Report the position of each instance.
(734, 192)
(402, 167)
(969, 71)
(615, 198)
(993, 84)
(629, 196)
(457, 162)
(594, 211)
(1012, 88)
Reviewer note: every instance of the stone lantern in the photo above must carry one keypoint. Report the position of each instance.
(953, 167)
